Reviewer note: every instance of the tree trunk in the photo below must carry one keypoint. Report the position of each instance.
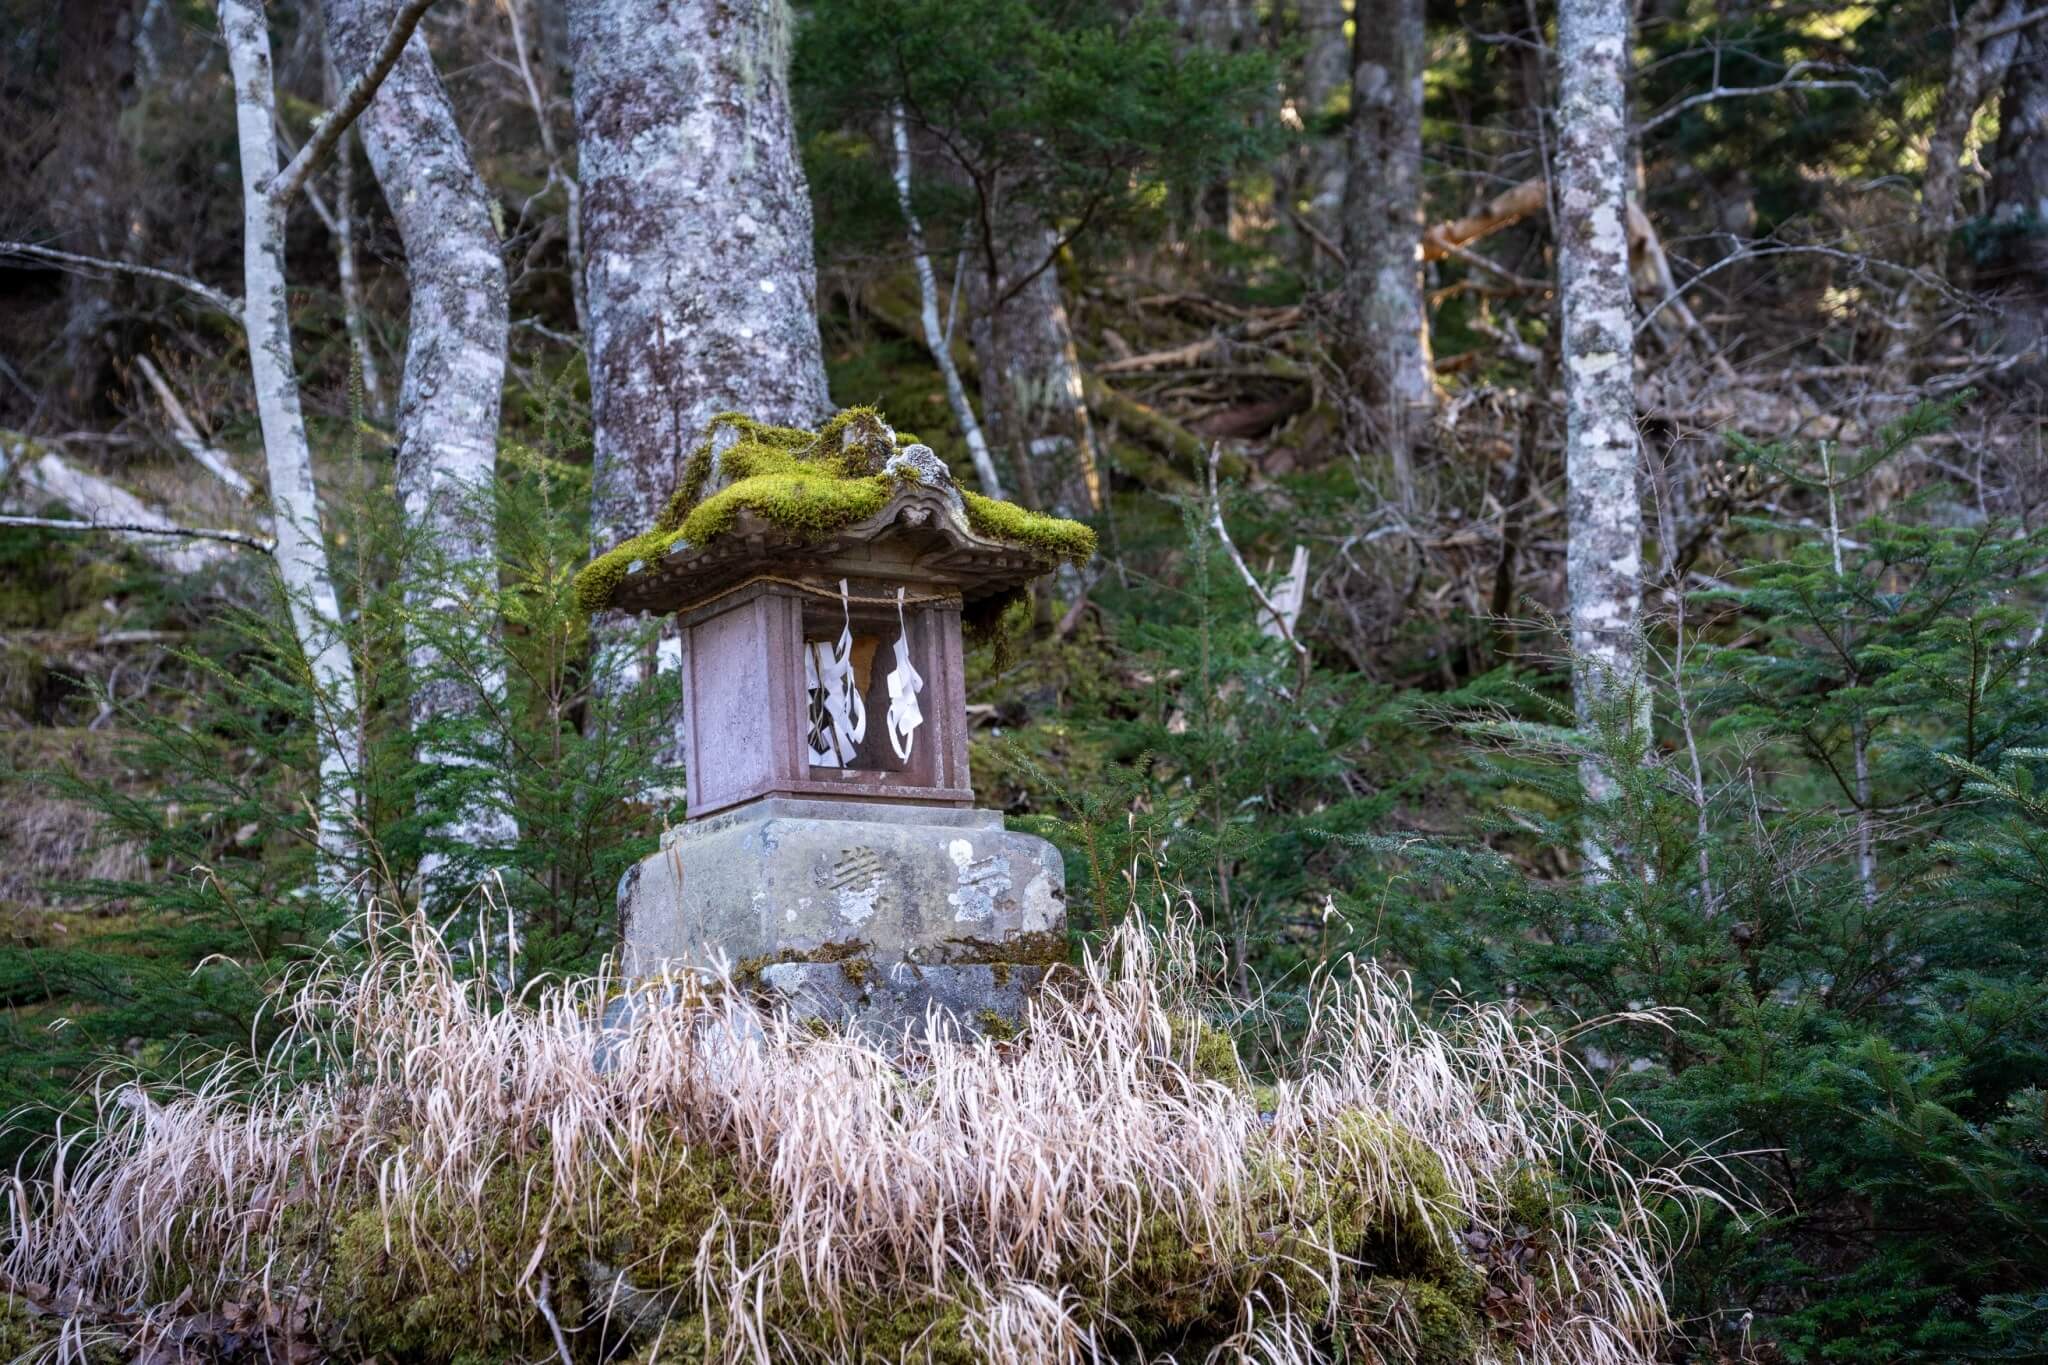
(697, 237)
(288, 457)
(934, 330)
(354, 312)
(448, 406)
(1984, 47)
(1325, 60)
(2019, 195)
(1224, 26)
(1031, 388)
(572, 214)
(1983, 54)
(1325, 70)
(1385, 319)
(1604, 512)
(341, 226)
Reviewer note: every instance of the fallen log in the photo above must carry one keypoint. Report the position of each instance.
(1188, 452)
(32, 473)
(1504, 210)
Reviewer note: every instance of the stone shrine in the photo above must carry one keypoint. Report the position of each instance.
(821, 584)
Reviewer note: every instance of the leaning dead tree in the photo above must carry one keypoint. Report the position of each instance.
(937, 336)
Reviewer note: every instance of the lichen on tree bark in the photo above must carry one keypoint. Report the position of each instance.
(1385, 323)
(449, 400)
(697, 243)
(1604, 509)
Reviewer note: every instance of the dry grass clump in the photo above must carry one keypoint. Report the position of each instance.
(465, 1181)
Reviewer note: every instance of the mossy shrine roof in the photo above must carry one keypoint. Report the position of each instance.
(759, 498)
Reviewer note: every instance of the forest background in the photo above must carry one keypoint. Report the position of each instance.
(1419, 632)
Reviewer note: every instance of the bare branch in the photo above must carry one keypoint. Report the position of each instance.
(547, 1311)
(1278, 617)
(144, 528)
(226, 303)
(1751, 253)
(354, 100)
(1791, 80)
(2012, 25)
(1320, 239)
(1504, 210)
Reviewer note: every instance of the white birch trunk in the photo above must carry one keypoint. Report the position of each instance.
(288, 458)
(1388, 323)
(449, 403)
(1604, 510)
(697, 241)
(935, 338)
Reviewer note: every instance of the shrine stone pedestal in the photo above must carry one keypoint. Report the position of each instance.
(853, 913)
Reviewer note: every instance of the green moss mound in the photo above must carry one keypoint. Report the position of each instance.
(808, 483)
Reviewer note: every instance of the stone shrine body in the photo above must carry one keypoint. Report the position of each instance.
(832, 853)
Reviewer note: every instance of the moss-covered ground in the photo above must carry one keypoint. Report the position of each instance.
(460, 1281)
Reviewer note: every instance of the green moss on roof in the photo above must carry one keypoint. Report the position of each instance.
(808, 483)
(1007, 522)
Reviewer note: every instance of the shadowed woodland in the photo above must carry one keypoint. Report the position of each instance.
(1548, 749)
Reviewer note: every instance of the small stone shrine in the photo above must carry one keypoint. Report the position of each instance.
(832, 853)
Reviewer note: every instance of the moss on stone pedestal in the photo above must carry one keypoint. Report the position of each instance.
(808, 484)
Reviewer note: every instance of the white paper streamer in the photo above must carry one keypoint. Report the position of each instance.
(839, 718)
(904, 685)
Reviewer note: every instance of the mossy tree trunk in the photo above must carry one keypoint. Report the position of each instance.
(697, 241)
(1386, 325)
(448, 410)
